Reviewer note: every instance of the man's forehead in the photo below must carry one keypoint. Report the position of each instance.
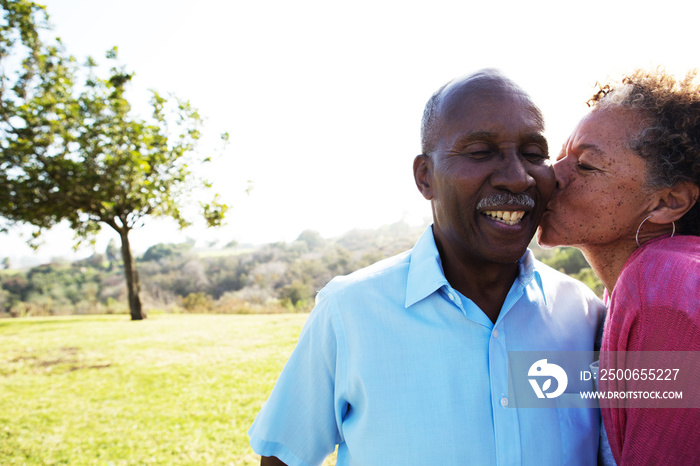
(466, 93)
(475, 95)
(481, 83)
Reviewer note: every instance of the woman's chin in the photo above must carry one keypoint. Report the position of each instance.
(546, 238)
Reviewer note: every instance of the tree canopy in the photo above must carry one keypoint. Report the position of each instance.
(73, 150)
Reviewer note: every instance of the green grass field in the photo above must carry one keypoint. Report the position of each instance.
(170, 390)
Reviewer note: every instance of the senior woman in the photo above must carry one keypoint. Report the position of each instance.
(628, 182)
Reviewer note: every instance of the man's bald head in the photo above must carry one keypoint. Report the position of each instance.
(448, 100)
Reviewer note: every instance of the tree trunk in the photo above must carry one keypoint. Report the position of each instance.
(132, 277)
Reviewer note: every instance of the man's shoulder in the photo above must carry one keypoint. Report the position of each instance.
(570, 299)
(554, 281)
(379, 275)
(553, 275)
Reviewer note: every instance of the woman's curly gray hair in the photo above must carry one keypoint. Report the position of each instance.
(670, 141)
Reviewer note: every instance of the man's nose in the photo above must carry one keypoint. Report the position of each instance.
(513, 174)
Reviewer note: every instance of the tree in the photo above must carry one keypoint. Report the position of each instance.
(567, 260)
(72, 150)
(591, 280)
(313, 239)
(162, 250)
(111, 253)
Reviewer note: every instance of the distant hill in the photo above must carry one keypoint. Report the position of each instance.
(276, 277)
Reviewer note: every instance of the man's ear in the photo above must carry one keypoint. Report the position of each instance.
(673, 203)
(423, 174)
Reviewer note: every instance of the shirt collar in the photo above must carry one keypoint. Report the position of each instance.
(425, 274)
(528, 272)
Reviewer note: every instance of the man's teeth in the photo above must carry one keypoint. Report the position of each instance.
(506, 216)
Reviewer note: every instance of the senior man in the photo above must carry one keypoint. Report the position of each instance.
(405, 362)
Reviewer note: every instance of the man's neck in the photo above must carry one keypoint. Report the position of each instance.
(487, 285)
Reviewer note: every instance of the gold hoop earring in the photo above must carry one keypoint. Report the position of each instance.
(636, 237)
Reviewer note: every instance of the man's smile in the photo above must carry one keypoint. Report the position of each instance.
(506, 216)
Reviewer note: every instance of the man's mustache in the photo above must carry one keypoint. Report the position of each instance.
(504, 199)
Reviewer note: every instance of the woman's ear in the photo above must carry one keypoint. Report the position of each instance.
(673, 203)
(422, 173)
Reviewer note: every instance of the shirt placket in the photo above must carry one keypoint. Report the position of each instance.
(505, 418)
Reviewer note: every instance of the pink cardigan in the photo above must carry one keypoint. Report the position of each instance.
(655, 306)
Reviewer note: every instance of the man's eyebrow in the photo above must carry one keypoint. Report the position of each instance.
(537, 138)
(488, 136)
(475, 136)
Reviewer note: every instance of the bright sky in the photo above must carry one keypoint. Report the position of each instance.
(323, 99)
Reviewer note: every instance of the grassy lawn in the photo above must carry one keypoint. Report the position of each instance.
(170, 390)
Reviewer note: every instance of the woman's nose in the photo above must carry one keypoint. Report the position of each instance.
(561, 174)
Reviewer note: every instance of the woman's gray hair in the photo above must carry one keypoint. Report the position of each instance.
(669, 141)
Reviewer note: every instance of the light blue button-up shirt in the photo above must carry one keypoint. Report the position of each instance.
(398, 368)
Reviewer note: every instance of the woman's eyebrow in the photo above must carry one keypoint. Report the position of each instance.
(591, 148)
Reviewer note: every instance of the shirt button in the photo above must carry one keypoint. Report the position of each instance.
(451, 296)
(504, 401)
(495, 333)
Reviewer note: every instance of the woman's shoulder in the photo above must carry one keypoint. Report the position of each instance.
(663, 274)
(655, 298)
(678, 256)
